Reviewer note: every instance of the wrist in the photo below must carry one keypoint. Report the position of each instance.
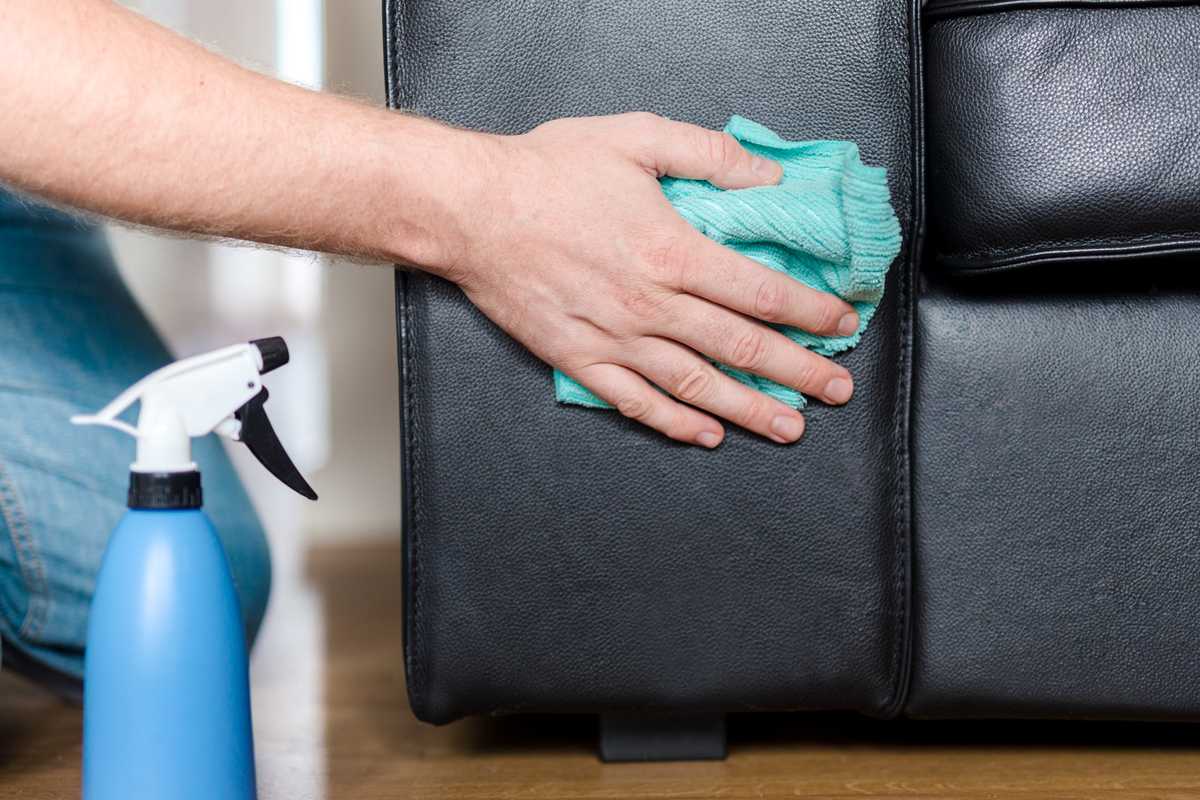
(438, 191)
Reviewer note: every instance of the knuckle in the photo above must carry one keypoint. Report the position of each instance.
(553, 127)
(749, 350)
(807, 373)
(827, 315)
(642, 125)
(568, 357)
(643, 303)
(723, 150)
(641, 118)
(769, 301)
(669, 260)
(635, 407)
(751, 411)
(695, 385)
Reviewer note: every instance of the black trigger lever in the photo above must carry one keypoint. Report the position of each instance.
(258, 435)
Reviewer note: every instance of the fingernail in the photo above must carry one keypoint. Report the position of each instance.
(708, 439)
(848, 324)
(787, 429)
(838, 390)
(765, 168)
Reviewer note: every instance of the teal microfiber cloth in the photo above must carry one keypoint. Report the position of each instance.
(829, 223)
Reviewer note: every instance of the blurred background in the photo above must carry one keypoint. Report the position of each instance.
(335, 406)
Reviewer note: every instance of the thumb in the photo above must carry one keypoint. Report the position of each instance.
(682, 150)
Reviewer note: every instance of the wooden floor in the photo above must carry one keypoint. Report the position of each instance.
(331, 721)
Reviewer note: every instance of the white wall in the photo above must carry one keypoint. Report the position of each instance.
(336, 405)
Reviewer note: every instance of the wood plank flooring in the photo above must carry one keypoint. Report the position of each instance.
(331, 721)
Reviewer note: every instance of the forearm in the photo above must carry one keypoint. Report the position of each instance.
(562, 236)
(118, 113)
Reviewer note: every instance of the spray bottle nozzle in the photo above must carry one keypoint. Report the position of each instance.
(220, 391)
(274, 353)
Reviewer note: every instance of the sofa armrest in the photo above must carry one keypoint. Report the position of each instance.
(565, 559)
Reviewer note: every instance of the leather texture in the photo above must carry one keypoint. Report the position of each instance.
(1057, 449)
(1060, 132)
(565, 559)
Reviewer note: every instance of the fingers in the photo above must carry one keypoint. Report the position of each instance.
(689, 151)
(748, 346)
(629, 393)
(731, 280)
(693, 380)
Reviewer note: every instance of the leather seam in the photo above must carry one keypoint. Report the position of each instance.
(967, 8)
(901, 506)
(1191, 238)
(416, 665)
(415, 671)
(999, 259)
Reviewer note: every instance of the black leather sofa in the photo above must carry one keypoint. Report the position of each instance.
(1005, 521)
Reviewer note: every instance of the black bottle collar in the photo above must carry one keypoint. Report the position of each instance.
(165, 490)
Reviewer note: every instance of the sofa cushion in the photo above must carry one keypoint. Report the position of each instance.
(1061, 132)
(1056, 457)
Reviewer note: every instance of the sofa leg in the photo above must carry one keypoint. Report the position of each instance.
(662, 737)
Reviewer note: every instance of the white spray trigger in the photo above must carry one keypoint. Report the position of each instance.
(195, 396)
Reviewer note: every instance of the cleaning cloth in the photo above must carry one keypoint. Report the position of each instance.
(829, 223)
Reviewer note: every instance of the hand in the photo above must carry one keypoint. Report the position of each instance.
(574, 251)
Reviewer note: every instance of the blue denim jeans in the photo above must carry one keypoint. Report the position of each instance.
(71, 338)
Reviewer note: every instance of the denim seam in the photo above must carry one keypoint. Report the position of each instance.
(29, 561)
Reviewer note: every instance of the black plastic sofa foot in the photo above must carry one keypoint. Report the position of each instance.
(662, 737)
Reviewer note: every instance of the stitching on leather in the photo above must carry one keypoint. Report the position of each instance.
(389, 53)
(902, 414)
(1131, 240)
(937, 11)
(897, 412)
(1118, 247)
(898, 425)
(393, 20)
(33, 571)
(417, 666)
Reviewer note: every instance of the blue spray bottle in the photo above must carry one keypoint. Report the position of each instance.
(166, 688)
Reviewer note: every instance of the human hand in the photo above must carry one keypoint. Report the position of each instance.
(572, 249)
